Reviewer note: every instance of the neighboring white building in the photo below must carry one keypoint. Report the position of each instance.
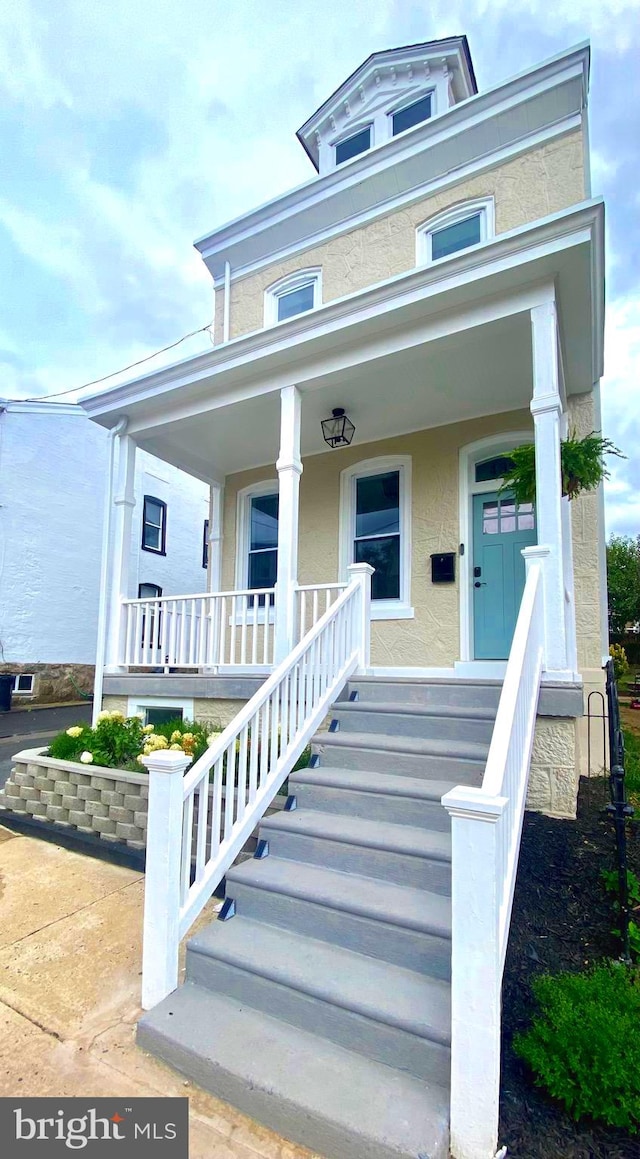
(53, 462)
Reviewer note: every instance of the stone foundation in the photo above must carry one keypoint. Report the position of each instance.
(54, 683)
(108, 803)
(555, 773)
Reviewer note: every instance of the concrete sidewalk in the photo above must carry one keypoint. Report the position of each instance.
(70, 953)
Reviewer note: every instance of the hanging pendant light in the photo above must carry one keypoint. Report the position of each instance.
(338, 431)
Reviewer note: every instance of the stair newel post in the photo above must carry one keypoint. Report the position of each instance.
(161, 926)
(476, 970)
(361, 573)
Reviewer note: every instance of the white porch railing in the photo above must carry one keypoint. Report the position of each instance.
(486, 826)
(312, 601)
(214, 630)
(198, 823)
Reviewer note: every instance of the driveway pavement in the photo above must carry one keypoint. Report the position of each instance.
(70, 952)
(34, 727)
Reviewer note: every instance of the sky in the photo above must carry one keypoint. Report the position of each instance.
(128, 129)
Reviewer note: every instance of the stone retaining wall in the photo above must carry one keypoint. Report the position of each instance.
(109, 803)
(53, 683)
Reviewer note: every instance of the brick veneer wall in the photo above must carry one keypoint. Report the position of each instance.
(109, 803)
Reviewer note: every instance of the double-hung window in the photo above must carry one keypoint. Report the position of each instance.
(154, 525)
(375, 529)
(262, 551)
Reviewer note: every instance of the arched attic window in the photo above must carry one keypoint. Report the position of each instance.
(456, 229)
(296, 294)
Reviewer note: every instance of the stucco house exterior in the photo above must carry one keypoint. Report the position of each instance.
(53, 468)
(385, 335)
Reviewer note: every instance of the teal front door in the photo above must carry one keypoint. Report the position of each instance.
(500, 531)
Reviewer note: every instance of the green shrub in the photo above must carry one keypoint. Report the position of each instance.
(119, 742)
(620, 662)
(632, 766)
(584, 1045)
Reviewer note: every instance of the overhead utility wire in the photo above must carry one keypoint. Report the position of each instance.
(96, 381)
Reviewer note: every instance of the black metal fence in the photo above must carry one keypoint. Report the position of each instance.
(618, 808)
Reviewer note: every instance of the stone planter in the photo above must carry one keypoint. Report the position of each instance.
(107, 803)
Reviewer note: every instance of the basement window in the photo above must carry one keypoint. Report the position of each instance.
(23, 684)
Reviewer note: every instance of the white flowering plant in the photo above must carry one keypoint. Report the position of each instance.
(121, 742)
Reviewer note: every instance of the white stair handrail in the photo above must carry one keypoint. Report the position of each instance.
(228, 790)
(486, 827)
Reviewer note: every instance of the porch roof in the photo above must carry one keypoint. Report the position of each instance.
(438, 344)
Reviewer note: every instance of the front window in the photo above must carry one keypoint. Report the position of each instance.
(375, 528)
(296, 294)
(455, 230)
(262, 567)
(458, 236)
(413, 114)
(377, 532)
(354, 145)
(154, 525)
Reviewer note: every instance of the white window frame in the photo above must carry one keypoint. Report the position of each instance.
(484, 206)
(411, 99)
(136, 705)
(352, 130)
(243, 531)
(399, 609)
(284, 286)
(23, 691)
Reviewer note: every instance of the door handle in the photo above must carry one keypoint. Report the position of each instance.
(477, 584)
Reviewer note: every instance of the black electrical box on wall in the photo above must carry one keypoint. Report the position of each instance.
(443, 567)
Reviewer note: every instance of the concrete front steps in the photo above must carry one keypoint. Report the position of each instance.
(322, 1008)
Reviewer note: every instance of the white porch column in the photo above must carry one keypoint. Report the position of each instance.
(214, 572)
(546, 408)
(289, 468)
(118, 574)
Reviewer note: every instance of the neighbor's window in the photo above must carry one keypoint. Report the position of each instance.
(23, 684)
(412, 114)
(154, 525)
(357, 143)
(262, 561)
(457, 229)
(296, 294)
(149, 592)
(205, 544)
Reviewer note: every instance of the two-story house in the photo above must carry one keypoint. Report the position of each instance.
(385, 335)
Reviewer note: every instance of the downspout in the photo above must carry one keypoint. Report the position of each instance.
(103, 605)
(226, 309)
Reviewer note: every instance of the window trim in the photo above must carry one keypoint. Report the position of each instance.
(406, 103)
(482, 206)
(243, 531)
(399, 609)
(286, 285)
(162, 550)
(353, 131)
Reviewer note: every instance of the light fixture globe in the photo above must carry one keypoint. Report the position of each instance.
(338, 431)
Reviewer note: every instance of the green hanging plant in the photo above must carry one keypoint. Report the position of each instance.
(582, 462)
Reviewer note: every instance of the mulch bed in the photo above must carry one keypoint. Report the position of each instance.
(562, 920)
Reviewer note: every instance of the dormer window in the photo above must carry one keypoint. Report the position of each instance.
(351, 146)
(413, 114)
(296, 294)
(454, 230)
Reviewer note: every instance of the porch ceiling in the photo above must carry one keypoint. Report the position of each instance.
(477, 372)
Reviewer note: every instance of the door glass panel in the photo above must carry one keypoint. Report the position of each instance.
(384, 555)
(489, 518)
(507, 516)
(525, 517)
